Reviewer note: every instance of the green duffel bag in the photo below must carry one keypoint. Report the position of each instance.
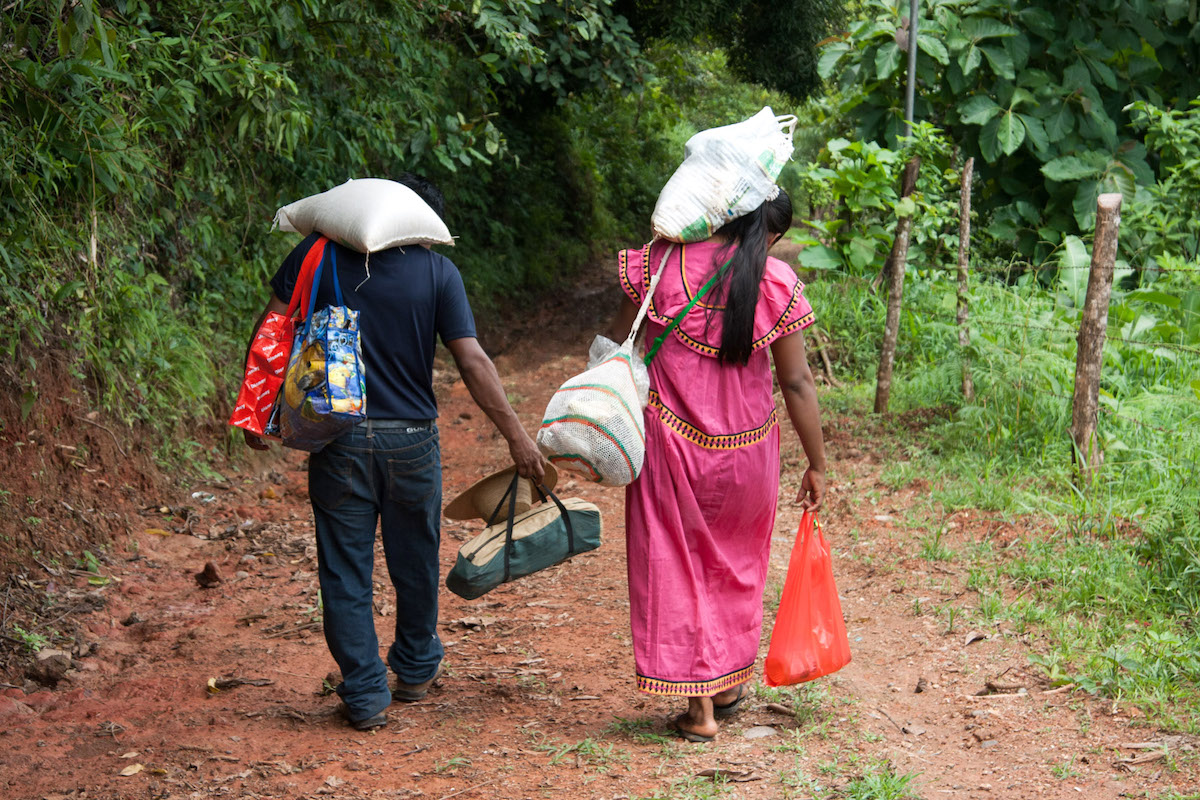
(523, 544)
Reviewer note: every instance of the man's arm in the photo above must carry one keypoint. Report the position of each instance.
(483, 382)
(800, 396)
(255, 441)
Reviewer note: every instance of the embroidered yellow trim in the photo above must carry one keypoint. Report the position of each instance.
(687, 289)
(694, 688)
(623, 272)
(731, 441)
(779, 329)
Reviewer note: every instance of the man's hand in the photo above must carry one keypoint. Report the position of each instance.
(254, 441)
(812, 490)
(527, 457)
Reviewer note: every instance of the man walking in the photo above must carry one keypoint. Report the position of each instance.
(388, 468)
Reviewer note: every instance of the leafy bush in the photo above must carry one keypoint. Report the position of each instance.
(1037, 91)
(858, 181)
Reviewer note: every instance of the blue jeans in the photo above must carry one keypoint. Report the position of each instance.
(390, 472)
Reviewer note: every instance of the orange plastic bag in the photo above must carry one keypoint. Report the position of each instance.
(809, 639)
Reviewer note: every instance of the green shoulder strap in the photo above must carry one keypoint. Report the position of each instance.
(658, 341)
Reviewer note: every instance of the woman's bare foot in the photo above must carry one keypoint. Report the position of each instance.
(697, 724)
(728, 696)
(727, 703)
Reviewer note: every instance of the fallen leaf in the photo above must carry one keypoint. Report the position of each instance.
(212, 686)
(130, 754)
(132, 769)
(1145, 758)
(974, 636)
(737, 776)
(157, 532)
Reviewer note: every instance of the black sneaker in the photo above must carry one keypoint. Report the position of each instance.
(414, 692)
(368, 723)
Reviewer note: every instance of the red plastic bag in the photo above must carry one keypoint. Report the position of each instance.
(809, 639)
(267, 360)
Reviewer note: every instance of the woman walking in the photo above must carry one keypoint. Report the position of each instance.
(700, 516)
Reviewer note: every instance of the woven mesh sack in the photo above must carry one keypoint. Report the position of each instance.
(593, 423)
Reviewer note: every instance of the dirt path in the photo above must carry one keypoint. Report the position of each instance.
(538, 699)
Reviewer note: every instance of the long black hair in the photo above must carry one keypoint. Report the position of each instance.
(747, 240)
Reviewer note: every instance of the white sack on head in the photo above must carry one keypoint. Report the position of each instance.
(726, 173)
(366, 215)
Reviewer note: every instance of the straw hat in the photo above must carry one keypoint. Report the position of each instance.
(481, 499)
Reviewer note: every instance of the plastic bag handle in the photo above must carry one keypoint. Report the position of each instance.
(337, 288)
(641, 315)
(787, 124)
(312, 258)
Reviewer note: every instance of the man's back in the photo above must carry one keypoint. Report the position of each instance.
(412, 296)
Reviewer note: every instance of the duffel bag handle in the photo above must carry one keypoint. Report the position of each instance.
(566, 517)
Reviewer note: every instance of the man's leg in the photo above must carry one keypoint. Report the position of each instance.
(342, 490)
(411, 513)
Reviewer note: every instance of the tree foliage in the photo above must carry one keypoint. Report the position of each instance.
(772, 43)
(145, 146)
(1038, 91)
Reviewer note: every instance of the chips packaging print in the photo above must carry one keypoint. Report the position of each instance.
(324, 391)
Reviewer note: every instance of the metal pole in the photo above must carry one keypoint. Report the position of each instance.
(910, 92)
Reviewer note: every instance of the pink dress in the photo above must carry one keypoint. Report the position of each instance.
(699, 518)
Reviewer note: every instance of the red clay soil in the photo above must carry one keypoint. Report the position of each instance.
(538, 698)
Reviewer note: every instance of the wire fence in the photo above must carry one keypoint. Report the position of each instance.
(980, 322)
(1072, 332)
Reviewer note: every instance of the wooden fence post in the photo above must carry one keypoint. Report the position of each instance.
(895, 267)
(964, 246)
(1090, 351)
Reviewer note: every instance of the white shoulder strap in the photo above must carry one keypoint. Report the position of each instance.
(637, 323)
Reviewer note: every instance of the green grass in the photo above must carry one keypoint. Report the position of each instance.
(1108, 574)
(880, 781)
(586, 753)
(693, 788)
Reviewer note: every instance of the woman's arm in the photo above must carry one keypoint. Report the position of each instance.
(800, 396)
(622, 321)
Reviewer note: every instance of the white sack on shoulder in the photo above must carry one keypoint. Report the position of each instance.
(726, 173)
(366, 215)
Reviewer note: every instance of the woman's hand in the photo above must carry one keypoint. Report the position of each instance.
(812, 490)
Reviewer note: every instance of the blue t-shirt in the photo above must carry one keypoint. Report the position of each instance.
(412, 295)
